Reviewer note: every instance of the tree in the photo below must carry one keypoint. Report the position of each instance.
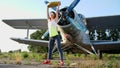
(37, 36)
(0, 51)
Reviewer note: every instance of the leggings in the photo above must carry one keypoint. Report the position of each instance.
(52, 40)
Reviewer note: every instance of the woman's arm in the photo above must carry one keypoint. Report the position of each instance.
(57, 9)
(48, 18)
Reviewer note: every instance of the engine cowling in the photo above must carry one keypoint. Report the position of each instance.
(64, 21)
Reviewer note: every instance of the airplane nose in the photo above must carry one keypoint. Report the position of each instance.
(67, 12)
(62, 18)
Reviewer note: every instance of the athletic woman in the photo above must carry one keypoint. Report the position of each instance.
(53, 35)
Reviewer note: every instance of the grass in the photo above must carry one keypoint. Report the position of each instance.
(18, 58)
(71, 60)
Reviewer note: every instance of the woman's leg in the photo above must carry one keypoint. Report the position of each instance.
(58, 42)
(50, 47)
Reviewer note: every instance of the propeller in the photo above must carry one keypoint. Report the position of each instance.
(46, 2)
(68, 10)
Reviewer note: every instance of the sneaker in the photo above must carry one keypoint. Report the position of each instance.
(61, 63)
(46, 62)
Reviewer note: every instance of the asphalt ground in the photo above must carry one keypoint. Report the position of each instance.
(24, 66)
(29, 66)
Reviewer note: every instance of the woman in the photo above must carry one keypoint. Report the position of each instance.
(54, 36)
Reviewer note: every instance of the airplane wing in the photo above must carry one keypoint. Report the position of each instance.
(106, 45)
(105, 22)
(31, 41)
(27, 23)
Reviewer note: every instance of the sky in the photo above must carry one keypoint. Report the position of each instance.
(36, 9)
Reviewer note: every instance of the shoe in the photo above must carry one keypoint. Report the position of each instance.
(61, 63)
(46, 62)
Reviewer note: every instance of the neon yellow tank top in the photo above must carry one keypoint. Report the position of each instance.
(52, 27)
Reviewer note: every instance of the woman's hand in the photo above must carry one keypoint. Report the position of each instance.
(48, 6)
(59, 3)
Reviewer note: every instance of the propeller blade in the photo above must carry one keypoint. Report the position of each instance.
(72, 5)
(46, 2)
(79, 27)
(45, 34)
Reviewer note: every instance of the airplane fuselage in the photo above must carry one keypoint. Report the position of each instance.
(74, 33)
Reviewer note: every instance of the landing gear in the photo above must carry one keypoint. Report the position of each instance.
(82, 48)
(93, 49)
(99, 54)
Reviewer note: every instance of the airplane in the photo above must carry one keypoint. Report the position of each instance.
(74, 29)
